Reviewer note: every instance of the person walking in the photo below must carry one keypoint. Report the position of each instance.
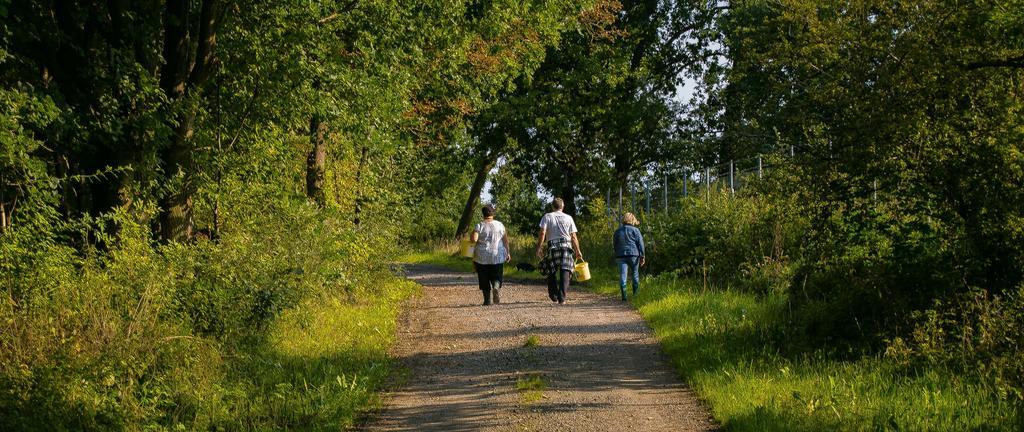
(490, 254)
(629, 252)
(557, 247)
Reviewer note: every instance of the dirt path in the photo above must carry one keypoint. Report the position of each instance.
(602, 369)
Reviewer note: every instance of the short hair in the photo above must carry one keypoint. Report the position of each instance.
(557, 204)
(630, 219)
(488, 210)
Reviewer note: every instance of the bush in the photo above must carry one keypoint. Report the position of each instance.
(137, 335)
(976, 333)
(742, 241)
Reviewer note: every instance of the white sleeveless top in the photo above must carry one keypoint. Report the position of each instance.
(490, 249)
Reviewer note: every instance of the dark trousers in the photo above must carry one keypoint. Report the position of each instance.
(490, 276)
(558, 283)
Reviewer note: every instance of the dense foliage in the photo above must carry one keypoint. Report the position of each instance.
(904, 119)
(200, 199)
(890, 216)
(182, 181)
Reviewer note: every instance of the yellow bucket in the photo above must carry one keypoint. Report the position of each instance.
(582, 271)
(466, 248)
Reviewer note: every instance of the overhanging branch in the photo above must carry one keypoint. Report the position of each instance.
(1012, 62)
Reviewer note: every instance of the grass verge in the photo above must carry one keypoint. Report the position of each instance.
(321, 368)
(725, 345)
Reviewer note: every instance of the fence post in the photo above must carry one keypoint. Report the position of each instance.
(874, 190)
(664, 193)
(707, 182)
(647, 198)
(732, 182)
(792, 152)
(759, 168)
(686, 181)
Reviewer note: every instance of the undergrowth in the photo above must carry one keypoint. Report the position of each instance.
(282, 323)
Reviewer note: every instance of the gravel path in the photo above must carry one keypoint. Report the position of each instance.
(602, 369)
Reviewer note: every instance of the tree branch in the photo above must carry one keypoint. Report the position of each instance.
(1012, 62)
(346, 9)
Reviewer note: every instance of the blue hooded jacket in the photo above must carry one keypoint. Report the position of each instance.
(628, 241)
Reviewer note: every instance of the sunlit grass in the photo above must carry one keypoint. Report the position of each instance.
(531, 387)
(321, 367)
(531, 341)
(726, 345)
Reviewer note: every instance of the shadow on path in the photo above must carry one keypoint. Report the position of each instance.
(597, 366)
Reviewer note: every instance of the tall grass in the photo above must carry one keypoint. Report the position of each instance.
(282, 324)
(321, 368)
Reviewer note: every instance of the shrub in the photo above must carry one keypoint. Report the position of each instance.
(137, 335)
(743, 241)
(978, 333)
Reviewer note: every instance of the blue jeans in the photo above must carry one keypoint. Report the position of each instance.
(628, 264)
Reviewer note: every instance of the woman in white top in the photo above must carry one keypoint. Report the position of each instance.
(490, 254)
(557, 247)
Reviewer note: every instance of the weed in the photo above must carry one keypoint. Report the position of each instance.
(531, 387)
(531, 341)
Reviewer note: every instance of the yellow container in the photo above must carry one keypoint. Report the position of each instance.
(466, 248)
(582, 271)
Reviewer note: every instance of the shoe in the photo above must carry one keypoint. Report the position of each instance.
(561, 302)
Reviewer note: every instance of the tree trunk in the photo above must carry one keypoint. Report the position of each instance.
(569, 191)
(363, 155)
(474, 195)
(180, 74)
(315, 163)
(176, 205)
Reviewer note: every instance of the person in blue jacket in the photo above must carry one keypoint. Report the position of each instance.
(629, 252)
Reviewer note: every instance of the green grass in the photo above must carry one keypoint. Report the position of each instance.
(725, 345)
(531, 387)
(442, 259)
(531, 341)
(321, 368)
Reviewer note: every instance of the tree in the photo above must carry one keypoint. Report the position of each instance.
(900, 115)
(600, 107)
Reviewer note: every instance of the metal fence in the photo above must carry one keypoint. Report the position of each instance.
(662, 187)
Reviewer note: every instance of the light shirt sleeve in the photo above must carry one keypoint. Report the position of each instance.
(572, 227)
(544, 221)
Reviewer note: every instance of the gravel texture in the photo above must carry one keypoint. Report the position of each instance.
(601, 368)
